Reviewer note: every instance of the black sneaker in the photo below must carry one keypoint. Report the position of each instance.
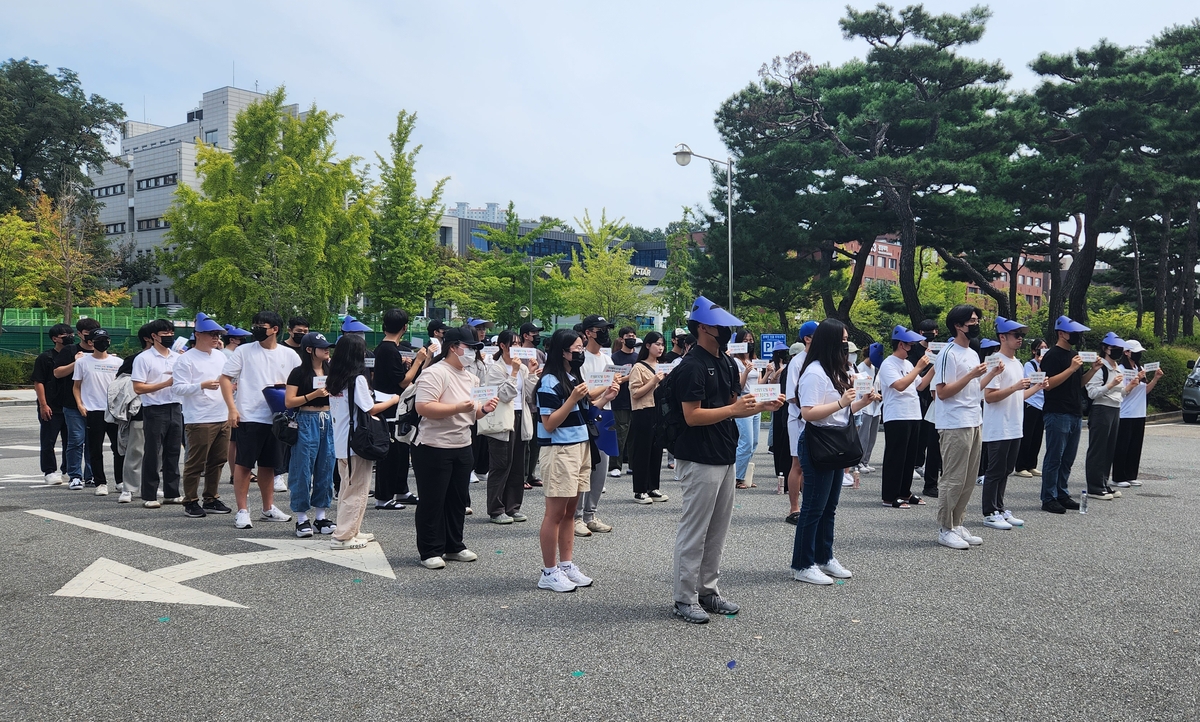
(90, 483)
(192, 508)
(930, 492)
(216, 507)
(1068, 503)
(793, 518)
(409, 498)
(324, 526)
(1054, 507)
(303, 529)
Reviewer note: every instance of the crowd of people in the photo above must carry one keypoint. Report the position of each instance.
(289, 415)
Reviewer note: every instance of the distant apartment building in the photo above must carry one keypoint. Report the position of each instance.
(135, 193)
(492, 212)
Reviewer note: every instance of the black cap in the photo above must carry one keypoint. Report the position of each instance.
(596, 322)
(461, 335)
(313, 339)
(96, 333)
(530, 328)
(436, 326)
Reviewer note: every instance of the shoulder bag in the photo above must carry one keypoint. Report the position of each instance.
(369, 436)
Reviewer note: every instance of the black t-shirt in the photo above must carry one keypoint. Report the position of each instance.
(390, 366)
(621, 358)
(65, 393)
(302, 378)
(298, 349)
(1067, 397)
(713, 382)
(43, 373)
(668, 357)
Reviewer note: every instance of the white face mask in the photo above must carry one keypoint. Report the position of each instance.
(853, 359)
(461, 353)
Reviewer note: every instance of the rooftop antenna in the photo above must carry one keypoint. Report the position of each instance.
(256, 86)
(144, 109)
(233, 82)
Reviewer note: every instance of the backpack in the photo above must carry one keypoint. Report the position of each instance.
(407, 419)
(671, 423)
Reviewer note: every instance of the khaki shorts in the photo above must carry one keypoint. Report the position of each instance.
(566, 470)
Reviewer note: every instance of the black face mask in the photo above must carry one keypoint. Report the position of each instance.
(724, 333)
(630, 342)
(1075, 338)
(603, 338)
(973, 331)
(102, 344)
(576, 359)
(1136, 356)
(846, 348)
(167, 340)
(929, 335)
(259, 333)
(536, 341)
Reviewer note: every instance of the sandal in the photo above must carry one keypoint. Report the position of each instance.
(793, 518)
(916, 500)
(536, 482)
(389, 504)
(528, 486)
(897, 504)
(742, 485)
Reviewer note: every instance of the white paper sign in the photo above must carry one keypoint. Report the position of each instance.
(618, 370)
(408, 355)
(1088, 357)
(417, 342)
(1128, 375)
(765, 393)
(668, 368)
(520, 352)
(1037, 377)
(492, 351)
(1153, 366)
(319, 382)
(862, 385)
(761, 363)
(482, 394)
(369, 362)
(599, 380)
(992, 361)
(937, 346)
(736, 348)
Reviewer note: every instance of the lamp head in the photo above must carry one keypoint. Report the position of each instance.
(683, 154)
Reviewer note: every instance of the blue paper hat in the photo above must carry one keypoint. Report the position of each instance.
(204, 324)
(875, 353)
(351, 324)
(1111, 339)
(231, 330)
(989, 343)
(779, 346)
(900, 333)
(1066, 325)
(808, 328)
(1004, 325)
(710, 314)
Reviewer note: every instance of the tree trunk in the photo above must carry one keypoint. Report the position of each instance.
(907, 271)
(1079, 278)
(978, 279)
(783, 321)
(1173, 307)
(1012, 284)
(1160, 280)
(1055, 278)
(1189, 269)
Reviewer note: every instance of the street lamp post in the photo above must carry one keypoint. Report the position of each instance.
(547, 267)
(683, 156)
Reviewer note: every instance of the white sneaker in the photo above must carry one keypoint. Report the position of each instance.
(102, 490)
(1024, 474)
(577, 577)
(273, 514)
(868, 469)
(1123, 484)
(1035, 471)
(996, 521)
(152, 504)
(556, 581)
(919, 473)
(466, 555)
(474, 478)
(280, 484)
(75, 485)
(162, 494)
(847, 480)
(835, 569)
(615, 473)
(1008, 517)
(1134, 482)
(812, 575)
(125, 498)
(967, 536)
(54, 478)
(354, 542)
(948, 538)
(242, 519)
(433, 563)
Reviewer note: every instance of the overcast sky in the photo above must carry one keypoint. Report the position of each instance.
(557, 106)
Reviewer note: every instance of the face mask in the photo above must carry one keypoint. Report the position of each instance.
(846, 348)
(853, 358)
(973, 331)
(1136, 356)
(929, 335)
(259, 333)
(576, 358)
(603, 338)
(537, 341)
(724, 333)
(102, 344)
(461, 352)
(167, 340)
(630, 342)
(1076, 338)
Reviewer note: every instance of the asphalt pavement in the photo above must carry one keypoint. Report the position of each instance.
(1075, 617)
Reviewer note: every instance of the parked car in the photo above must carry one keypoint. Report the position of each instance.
(1191, 393)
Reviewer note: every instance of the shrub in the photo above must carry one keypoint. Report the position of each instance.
(15, 370)
(1173, 360)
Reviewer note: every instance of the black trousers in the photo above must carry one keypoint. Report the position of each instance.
(391, 474)
(1128, 459)
(443, 476)
(1033, 428)
(479, 452)
(48, 435)
(781, 449)
(932, 445)
(1002, 461)
(163, 428)
(97, 429)
(645, 457)
(506, 471)
(900, 445)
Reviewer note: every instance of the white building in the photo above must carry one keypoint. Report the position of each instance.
(492, 213)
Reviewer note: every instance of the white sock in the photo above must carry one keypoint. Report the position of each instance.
(548, 570)
(301, 517)
(566, 565)
(320, 514)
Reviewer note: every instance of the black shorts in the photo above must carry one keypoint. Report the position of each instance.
(257, 444)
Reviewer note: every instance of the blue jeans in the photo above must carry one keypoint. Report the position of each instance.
(1062, 441)
(747, 443)
(77, 463)
(310, 471)
(814, 530)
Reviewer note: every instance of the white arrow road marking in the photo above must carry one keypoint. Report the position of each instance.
(106, 579)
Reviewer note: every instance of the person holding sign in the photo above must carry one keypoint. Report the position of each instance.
(1106, 387)
(1032, 426)
(900, 381)
(310, 468)
(1063, 413)
(744, 352)
(868, 427)
(595, 331)
(959, 380)
(795, 478)
(516, 383)
(441, 453)
(645, 446)
(624, 353)
(1132, 428)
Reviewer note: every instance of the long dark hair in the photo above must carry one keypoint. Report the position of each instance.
(505, 338)
(651, 338)
(740, 337)
(556, 365)
(349, 362)
(829, 350)
(307, 372)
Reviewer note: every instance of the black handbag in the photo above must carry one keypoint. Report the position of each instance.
(369, 437)
(833, 447)
(286, 427)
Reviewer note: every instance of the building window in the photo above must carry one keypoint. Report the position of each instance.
(1037, 281)
(112, 229)
(163, 180)
(141, 297)
(106, 191)
(210, 137)
(870, 260)
(150, 224)
(891, 263)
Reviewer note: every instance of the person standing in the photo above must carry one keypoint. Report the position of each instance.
(1032, 427)
(92, 376)
(1062, 414)
(624, 353)
(595, 331)
(348, 384)
(436, 330)
(516, 383)
(1106, 388)
(197, 387)
(79, 463)
(396, 366)
(531, 338)
(900, 382)
(747, 427)
(255, 367)
(828, 400)
(1131, 430)
(310, 467)
(1004, 401)
(706, 386)
(795, 479)
(645, 445)
(51, 425)
(959, 379)
(779, 441)
(441, 453)
(868, 419)
(162, 423)
(297, 327)
(135, 444)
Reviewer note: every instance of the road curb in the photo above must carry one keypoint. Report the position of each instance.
(17, 402)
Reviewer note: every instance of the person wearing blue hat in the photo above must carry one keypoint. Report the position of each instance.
(351, 324)
(868, 418)
(795, 478)
(900, 380)
(1062, 413)
(777, 437)
(1004, 423)
(233, 338)
(1105, 386)
(197, 387)
(706, 385)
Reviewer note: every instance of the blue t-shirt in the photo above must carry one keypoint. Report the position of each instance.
(551, 396)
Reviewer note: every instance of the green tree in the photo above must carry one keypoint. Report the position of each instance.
(49, 131)
(600, 278)
(22, 265)
(501, 278)
(675, 290)
(279, 223)
(404, 232)
(73, 254)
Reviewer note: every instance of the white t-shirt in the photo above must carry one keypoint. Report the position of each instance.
(1038, 399)
(255, 368)
(200, 405)
(339, 408)
(963, 410)
(152, 367)
(594, 363)
(752, 377)
(1133, 406)
(793, 379)
(898, 405)
(1003, 420)
(95, 375)
(817, 389)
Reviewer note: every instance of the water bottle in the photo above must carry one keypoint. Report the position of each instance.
(779, 485)
(1083, 503)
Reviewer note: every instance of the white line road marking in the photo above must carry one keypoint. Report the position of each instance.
(107, 579)
(22, 447)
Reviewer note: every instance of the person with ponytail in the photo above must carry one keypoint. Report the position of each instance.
(516, 383)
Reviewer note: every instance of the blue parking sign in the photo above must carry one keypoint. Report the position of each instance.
(769, 340)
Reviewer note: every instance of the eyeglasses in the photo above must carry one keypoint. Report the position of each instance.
(1019, 335)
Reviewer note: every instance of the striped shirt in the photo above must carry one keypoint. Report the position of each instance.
(551, 396)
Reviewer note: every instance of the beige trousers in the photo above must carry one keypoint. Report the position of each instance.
(352, 499)
(961, 449)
